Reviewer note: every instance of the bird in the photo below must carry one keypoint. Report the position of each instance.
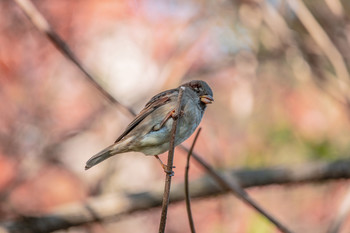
(150, 130)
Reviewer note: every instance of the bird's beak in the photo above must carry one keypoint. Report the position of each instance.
(207, 99)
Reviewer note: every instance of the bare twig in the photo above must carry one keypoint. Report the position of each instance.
(279, 26)
(169, 173)
(233, 186)
(336, 7)
(323, 41)
(187, 192)
(43, 26)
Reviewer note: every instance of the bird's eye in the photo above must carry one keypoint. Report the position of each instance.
(197, 88)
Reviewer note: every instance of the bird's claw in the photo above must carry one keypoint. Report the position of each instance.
(170, 173)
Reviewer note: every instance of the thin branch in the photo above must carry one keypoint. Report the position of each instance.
(336, 7)
(279, 26)
(111, 207)
(231, 184)
(43, 26)
(187, 192)
(169, 173)
(323, 41)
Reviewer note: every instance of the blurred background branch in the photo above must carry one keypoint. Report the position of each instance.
(111, 207)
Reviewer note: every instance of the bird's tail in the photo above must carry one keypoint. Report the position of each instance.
(101, 156)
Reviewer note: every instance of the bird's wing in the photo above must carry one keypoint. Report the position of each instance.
(153, 104)
(161, 95)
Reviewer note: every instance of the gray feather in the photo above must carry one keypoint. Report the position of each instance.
(101, 156)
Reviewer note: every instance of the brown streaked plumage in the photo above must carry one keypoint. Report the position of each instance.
(149, 132)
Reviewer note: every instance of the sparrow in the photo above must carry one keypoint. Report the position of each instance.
(150, 131)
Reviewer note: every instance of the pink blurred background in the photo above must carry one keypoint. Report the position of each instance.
(278, 101)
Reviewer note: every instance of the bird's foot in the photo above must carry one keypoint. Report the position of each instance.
(165, 167)
(170, 173)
